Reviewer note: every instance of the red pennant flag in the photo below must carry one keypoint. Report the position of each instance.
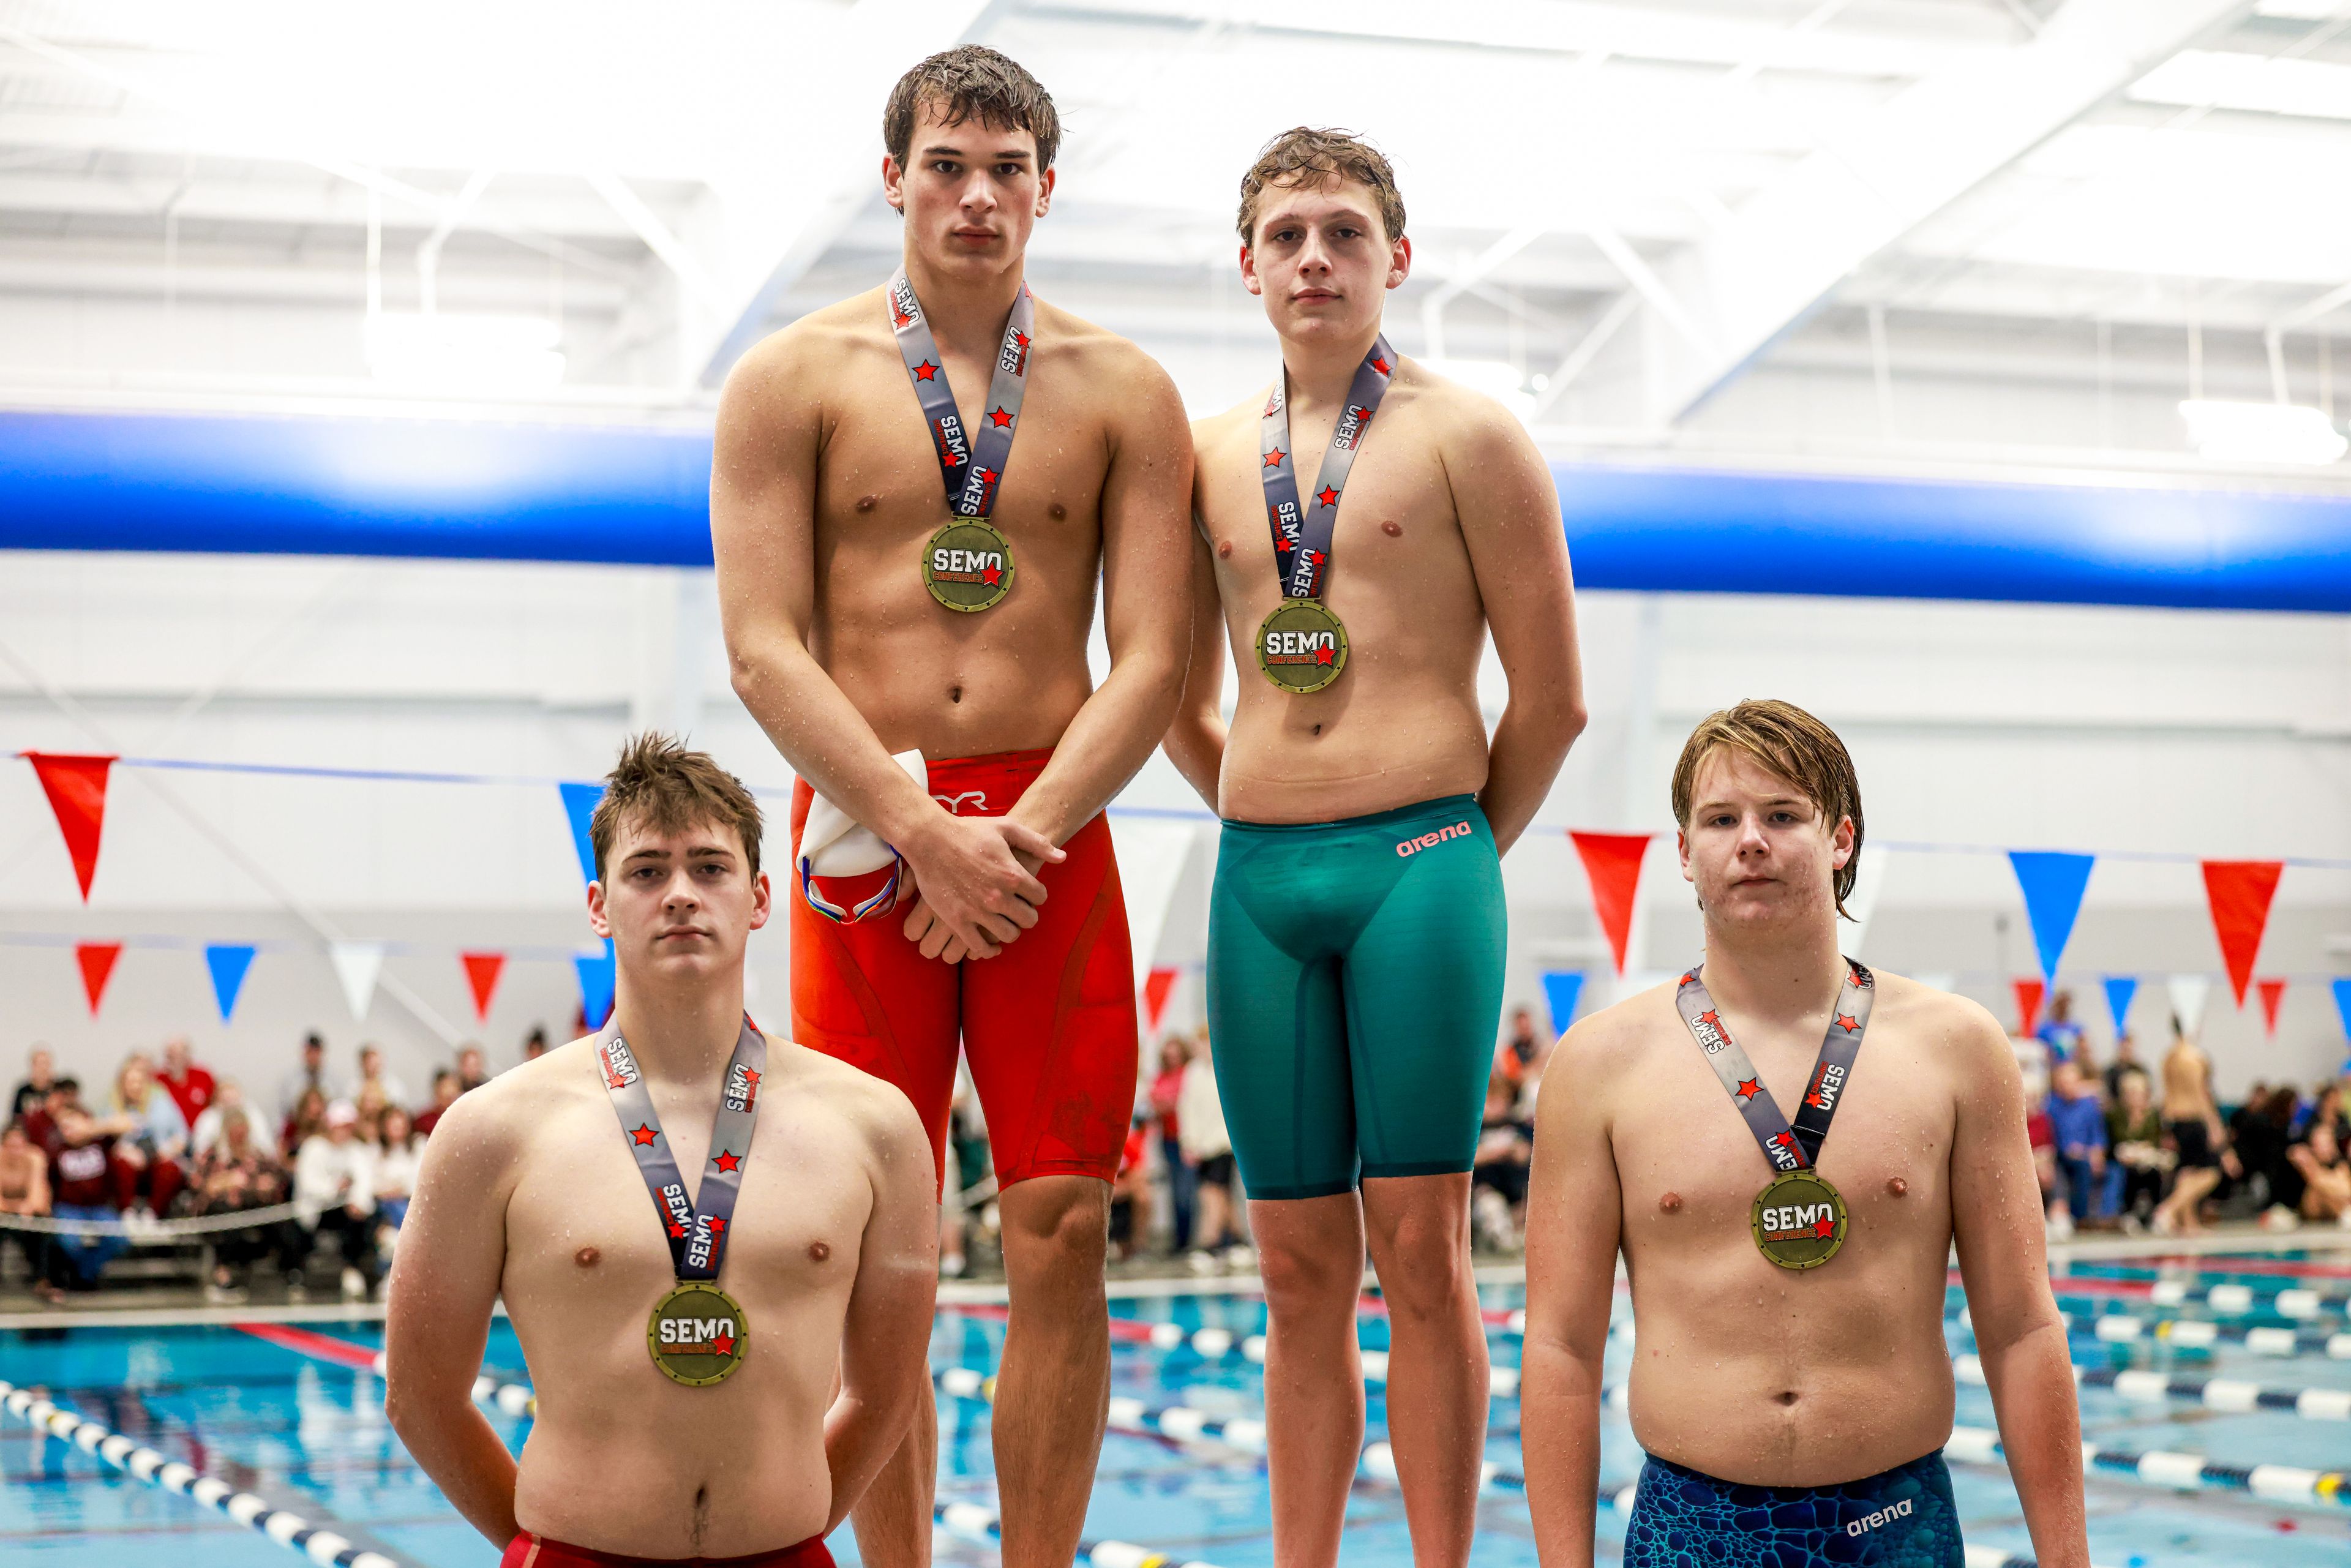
(1155, 987)
(1613, 863)
(482, 970)
(2240, 893)
(97, 961)
(2272, 992)
(75, 787)
(2027, 1006)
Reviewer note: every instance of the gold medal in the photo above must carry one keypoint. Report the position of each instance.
(967, 565)
(1301, 647)
(1799, 1219)
(697, 1334)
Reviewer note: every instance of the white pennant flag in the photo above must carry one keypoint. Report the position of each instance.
(2189, 994)
(357, 964)
(1152, 852)
(1862, 901)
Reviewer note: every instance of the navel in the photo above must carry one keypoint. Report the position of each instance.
(819, 1251)
(1671, 1203)
(587, 1256)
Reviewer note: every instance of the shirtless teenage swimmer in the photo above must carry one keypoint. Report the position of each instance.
(914, 495)
(686, 1371)
(1356, 932)
(1791, 1339)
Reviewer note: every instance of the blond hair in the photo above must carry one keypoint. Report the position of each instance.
(1793, 744)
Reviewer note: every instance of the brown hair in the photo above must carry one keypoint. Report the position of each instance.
(1303, 154)
(972, 82)
(1792, 744)
(660, 783)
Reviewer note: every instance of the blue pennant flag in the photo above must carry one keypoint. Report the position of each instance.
(2343, 1003)
(580, 804)
(2053, 884)
(2121, 990)
(1562, 988)
(595, 984)
(228, 962)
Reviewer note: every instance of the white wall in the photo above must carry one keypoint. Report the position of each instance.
(2211, 734)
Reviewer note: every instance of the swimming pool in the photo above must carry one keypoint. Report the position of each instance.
(304, 1433)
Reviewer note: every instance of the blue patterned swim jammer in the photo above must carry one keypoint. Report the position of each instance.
(1903, 1519)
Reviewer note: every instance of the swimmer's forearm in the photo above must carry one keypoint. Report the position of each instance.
(1530, 744)
(858, 1441)
(1109, 740)
(2030, 1378)
(1195, 745)
(454, 1444)
(824, 738)
(1559, 1429)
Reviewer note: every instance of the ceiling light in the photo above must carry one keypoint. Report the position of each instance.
(2262, 431)
(465, 353)
(1497, 379)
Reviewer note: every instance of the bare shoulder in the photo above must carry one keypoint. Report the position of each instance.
(1467, 423)
(1118, 376)
(877, 1114)
(780, 364)
(1942, 1027)
(490, 1130)
(1217, 435)
(1611, 1045)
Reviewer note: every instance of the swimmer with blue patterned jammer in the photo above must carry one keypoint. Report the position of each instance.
(1791, 1382)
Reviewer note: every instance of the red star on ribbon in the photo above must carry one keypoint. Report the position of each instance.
(1691, 977)
(1273, 458)
(615, 1079)
(727, 1161)
(988, 476)
(1321, 655)
(898, 317)
(1749, 1087)
(926, 370)
(1381, 366)
(717, 1227)
(1281, 544)
(1811, 1100)
(1327, 496)
(750, 1079)
(1785, 1140)
(990, 576)
(675, 1229)
(1021, 339)
(1825, 1227)
(1363, 417)
(1847, 1023)
(644, 1136)
(724, 1344)
(999, 417)
(1710, 1016)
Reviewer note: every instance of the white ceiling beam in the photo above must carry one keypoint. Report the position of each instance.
(335, 204)
(786, 201)
(1879, 178)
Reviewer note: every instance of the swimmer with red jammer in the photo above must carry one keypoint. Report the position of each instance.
(716, 1246)
(914, 496)
(1791, 1382)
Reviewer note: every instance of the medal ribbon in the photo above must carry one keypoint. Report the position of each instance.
(972, 466)
(1301, 536)
(697, 1233)
(1796, 1148)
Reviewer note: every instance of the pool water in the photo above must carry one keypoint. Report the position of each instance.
(308, 1435)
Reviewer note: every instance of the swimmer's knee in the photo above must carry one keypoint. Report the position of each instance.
(1306, 1276)
(1053, 1221)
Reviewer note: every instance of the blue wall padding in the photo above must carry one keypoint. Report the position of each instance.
(635, 495)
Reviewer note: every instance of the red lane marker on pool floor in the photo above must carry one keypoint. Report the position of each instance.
(303, 1341)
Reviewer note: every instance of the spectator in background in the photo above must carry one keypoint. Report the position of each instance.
(1130, 1195)
(371, 1105)
(2125, 1062)
(204, 1133)
(1208, 1148)
(190, 1086)
(2078, 1128)
(2325, 1174)
(307, 1120)
(1506, 1148)
(968, 1166)
(336, 1171)
(444, 1094)
(234, 1173)
(1166, 1084)
(2330, 1110)
(1521, 1051)
(2261, 1132)
(148, 1171)
(81, 1186)
(471, 1072)
(24, 1191)
(2139, 1162)
(40, 1076)
(308, 1077)
(397, 1151)
(534, 1045)
(2058, 1031)
(389, 1089)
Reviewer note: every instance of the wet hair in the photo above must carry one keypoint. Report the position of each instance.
(658, 783)
(1793, 744)
(1305, 154)
(972, 82)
